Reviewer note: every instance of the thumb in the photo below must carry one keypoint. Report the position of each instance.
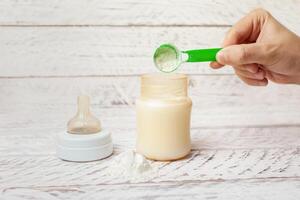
(243, 54)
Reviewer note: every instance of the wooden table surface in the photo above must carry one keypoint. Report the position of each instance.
(246, 140)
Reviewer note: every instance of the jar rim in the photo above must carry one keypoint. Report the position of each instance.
(164, 85)
(160, 76)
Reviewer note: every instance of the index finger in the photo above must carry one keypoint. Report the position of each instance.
(247, 29)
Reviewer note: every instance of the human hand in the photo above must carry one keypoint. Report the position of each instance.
(260, 49)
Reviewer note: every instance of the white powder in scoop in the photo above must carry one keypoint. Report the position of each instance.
(167, 61)
(132, 166)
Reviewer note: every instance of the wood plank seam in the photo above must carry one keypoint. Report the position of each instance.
(104, 75)
(121, 26)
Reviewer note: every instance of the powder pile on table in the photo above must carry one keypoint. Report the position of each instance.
(131, 165)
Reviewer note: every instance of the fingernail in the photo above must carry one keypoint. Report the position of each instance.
(213, 64)
(263, 83)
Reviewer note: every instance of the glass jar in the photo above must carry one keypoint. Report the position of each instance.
(163, 117)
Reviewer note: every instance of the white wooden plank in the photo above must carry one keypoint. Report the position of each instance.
(204, 165)
(219, 101)
(41, 142)
(131, 12)
(264, 189)
(90, 51)
(233, 154)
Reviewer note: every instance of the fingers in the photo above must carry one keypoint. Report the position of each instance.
(254, 82)
(281, 78)
(253, 68)
(236, 54)
(259, 75)
(215, 65)
(254, 79)
(247, 29)
(257, 79)
(247, 53)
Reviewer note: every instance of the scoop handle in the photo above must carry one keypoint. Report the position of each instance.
(202, 55)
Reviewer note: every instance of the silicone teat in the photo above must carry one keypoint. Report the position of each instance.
(84, 122)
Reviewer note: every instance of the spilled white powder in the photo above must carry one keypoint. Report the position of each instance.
(131, 165)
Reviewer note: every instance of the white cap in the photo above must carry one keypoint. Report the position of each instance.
(84, 147)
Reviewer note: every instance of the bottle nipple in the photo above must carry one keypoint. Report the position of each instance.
(84, 122)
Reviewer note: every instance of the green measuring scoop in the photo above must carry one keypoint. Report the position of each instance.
(168, 58)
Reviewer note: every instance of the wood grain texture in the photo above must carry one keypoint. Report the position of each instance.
(41, 141)
(94, 51)
(275, 189)
(246, 140)
(264, 156)
(204, 165)
(131, 12)
(219, 101)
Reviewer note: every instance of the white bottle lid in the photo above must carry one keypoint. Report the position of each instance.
(84, 147)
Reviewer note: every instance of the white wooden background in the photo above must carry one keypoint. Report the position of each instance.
(246, 140)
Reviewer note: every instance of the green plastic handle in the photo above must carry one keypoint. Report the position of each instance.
(202, 55)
